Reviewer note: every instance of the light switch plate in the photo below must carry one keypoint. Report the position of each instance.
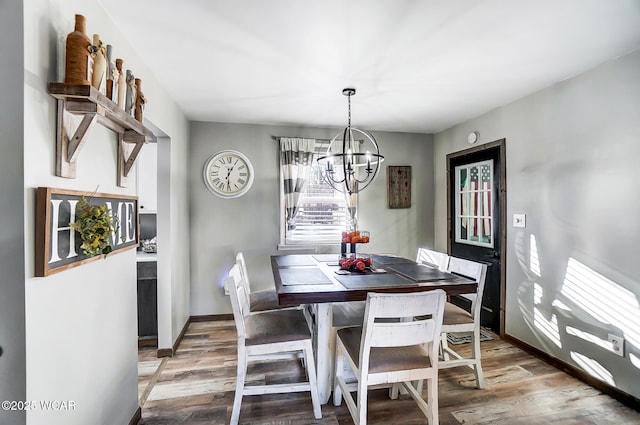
(519, 220)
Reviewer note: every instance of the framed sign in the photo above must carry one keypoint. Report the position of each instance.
(58, 245)
(399, 186)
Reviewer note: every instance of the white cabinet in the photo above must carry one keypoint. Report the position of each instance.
(147, 176)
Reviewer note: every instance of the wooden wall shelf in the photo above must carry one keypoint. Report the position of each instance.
(92, 106)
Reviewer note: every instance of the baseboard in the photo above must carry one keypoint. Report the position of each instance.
(212, 318)
(147, 342)
(137, 415)
(616, 393)
(169, 352)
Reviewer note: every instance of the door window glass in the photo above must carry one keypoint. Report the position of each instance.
(474, 201)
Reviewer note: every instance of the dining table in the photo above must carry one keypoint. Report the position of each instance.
(317, 282)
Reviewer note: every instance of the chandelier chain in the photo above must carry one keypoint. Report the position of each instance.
(349, 101)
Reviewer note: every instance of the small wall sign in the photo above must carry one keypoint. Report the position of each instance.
(399, 186)
(58, 245)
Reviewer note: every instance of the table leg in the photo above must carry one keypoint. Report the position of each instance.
(324, 351)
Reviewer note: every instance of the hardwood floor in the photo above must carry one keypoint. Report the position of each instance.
(196, 386)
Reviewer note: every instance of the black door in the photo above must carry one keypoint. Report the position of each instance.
(476, 220)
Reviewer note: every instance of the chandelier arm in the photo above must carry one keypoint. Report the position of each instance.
(352, 163)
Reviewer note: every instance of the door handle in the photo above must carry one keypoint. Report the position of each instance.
(496, 254)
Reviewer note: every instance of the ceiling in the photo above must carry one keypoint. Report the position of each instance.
(418, 66)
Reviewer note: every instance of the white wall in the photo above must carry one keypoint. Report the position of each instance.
(572, 160)
(12, 329)
(221, 227)
(81, 331)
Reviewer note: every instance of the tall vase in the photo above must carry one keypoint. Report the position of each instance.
(122, 84)
(99, 63)
(110, 72)
(78, 60)
(131, 92)
(140, 101)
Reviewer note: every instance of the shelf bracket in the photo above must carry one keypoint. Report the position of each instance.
(68, 148)
(93, 106)
(127, 159)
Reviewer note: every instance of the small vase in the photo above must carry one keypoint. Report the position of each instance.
(78, 60)
(121, 83)
(110, 72)
(99, 64)
(140, 101)
(131, 93)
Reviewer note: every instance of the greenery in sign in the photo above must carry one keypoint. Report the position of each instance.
(96, 224)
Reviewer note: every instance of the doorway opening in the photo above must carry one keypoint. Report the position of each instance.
(476, 220)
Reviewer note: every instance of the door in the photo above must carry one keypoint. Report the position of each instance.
(476, 208)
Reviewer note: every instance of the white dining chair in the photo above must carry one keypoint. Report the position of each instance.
(262, 300)
(432, 258)
(392, 347)
(459, 320)
(269, 335)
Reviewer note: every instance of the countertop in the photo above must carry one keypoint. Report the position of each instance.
(146, 256)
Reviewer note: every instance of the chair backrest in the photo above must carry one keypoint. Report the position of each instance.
(406, 330)
(432, 258)
(239, 299)
(472, 270)
(243, 271)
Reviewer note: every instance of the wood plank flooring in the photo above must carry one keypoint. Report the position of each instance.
(196, 387)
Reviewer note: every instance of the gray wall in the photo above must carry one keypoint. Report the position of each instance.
(12, 308)
(221, 227)
(80, 324)
(572, 160)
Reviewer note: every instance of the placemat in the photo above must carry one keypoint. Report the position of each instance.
(372, 280)
(389, 259)
(327, 258)
(419, 272)
(295, 260)
(304, 276)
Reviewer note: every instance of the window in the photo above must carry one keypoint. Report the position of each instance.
(322, 215)
(474, 222)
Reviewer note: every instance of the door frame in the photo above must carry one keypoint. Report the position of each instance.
(502, 205)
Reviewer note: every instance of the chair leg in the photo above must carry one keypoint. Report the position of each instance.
(313, 383)
(394, 391)
(339, 368)
(240, 380)
(477, 367)
(363, 389)
(432, 401)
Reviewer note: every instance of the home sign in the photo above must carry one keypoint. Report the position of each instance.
(58, 245)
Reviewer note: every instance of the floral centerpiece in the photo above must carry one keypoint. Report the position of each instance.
(95, 224)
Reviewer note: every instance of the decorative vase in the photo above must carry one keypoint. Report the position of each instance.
(110, 72)
(131, 92)
(140, 101)
(99, 63)
(78, 60)
(121, 83)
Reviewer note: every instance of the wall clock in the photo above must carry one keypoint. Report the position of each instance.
(228, 174)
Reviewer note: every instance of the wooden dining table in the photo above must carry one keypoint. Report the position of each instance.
(314, 280)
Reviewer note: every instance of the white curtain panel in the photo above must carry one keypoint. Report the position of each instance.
(296, 160)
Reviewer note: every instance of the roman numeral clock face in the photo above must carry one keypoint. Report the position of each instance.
(228, 174)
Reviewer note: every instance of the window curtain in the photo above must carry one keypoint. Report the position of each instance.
(296, 159)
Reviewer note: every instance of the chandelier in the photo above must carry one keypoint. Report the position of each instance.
(352, 159)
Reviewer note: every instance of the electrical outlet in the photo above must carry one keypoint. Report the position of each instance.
(617, 344)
